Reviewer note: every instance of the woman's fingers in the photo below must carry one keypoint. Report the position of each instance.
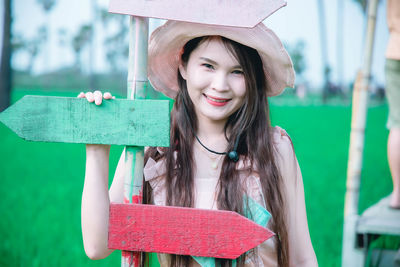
(89, 97)
(107, 95)
(96, 96)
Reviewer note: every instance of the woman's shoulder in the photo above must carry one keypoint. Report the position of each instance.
(282, 142)
(285, 156)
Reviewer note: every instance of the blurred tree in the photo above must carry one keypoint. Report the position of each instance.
(297, 54)
(324, 49)
(6, 52)
(81, 39)
(47, 7)
(35, 45)
(116, 43)
(363, 5)
(31, 47)
(92, 48)
(62, 36)
(17, 43)
(63, 40)
(47, 4)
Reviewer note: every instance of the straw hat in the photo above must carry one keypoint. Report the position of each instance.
(167, 41)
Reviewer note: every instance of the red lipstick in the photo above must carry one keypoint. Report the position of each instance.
(217, 101)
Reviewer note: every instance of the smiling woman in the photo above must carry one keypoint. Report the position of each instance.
(224, 153)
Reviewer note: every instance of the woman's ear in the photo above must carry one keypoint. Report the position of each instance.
(182, 70)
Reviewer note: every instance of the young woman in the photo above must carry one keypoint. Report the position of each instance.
(224, 153)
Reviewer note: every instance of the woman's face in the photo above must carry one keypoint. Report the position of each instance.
(215, 81)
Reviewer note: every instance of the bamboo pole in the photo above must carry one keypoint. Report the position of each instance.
(350, 255)
(137, 87)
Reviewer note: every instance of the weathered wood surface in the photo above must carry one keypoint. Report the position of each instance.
(380, 219)
(183, 231)
(222, 12)
(75, 120)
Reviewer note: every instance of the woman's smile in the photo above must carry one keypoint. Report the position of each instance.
(216, 101)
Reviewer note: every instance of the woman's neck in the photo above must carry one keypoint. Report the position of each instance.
(212, 134)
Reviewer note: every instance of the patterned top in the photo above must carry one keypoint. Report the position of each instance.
(206, 181)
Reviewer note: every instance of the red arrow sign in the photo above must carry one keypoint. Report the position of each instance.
(238, 13)
(183, 231)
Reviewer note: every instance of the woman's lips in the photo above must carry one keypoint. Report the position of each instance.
(216, 101)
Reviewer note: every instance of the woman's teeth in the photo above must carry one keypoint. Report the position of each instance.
(217, 100)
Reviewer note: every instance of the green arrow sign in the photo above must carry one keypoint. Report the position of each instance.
(75, 120)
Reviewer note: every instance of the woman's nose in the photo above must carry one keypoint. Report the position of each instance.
(220, 82)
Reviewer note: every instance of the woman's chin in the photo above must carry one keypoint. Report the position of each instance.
(216, 116)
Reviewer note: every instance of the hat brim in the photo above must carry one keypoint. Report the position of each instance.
(167, 41)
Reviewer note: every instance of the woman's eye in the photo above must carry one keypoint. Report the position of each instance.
(208, 66)
(240, 72)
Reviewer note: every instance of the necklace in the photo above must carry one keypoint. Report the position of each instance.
(211, 159)
(209, 150)
(214, 165)
(233, 155)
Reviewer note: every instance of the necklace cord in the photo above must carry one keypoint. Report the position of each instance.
(233, 155)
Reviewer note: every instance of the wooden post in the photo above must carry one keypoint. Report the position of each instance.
(137, 86)
(351, 256)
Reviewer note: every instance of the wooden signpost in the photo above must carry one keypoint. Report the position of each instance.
(183, 231)
(137, 123)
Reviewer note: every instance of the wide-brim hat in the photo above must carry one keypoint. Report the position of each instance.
(167, 41)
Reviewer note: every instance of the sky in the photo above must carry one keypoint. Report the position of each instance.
(297, 21)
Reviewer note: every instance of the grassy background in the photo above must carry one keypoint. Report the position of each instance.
(41, 183)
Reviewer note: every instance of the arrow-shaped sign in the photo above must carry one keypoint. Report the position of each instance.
(238, 13)
(183, 231)
(75, 120)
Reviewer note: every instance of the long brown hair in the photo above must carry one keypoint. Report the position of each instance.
(251, 124)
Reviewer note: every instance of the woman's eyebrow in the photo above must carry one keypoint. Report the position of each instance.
(209, 60)
(215, 63)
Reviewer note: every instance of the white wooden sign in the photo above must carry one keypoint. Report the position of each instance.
(238, 13)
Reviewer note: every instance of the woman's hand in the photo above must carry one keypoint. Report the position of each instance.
(96, 96)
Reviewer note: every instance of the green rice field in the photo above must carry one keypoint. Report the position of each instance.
(41, 184)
